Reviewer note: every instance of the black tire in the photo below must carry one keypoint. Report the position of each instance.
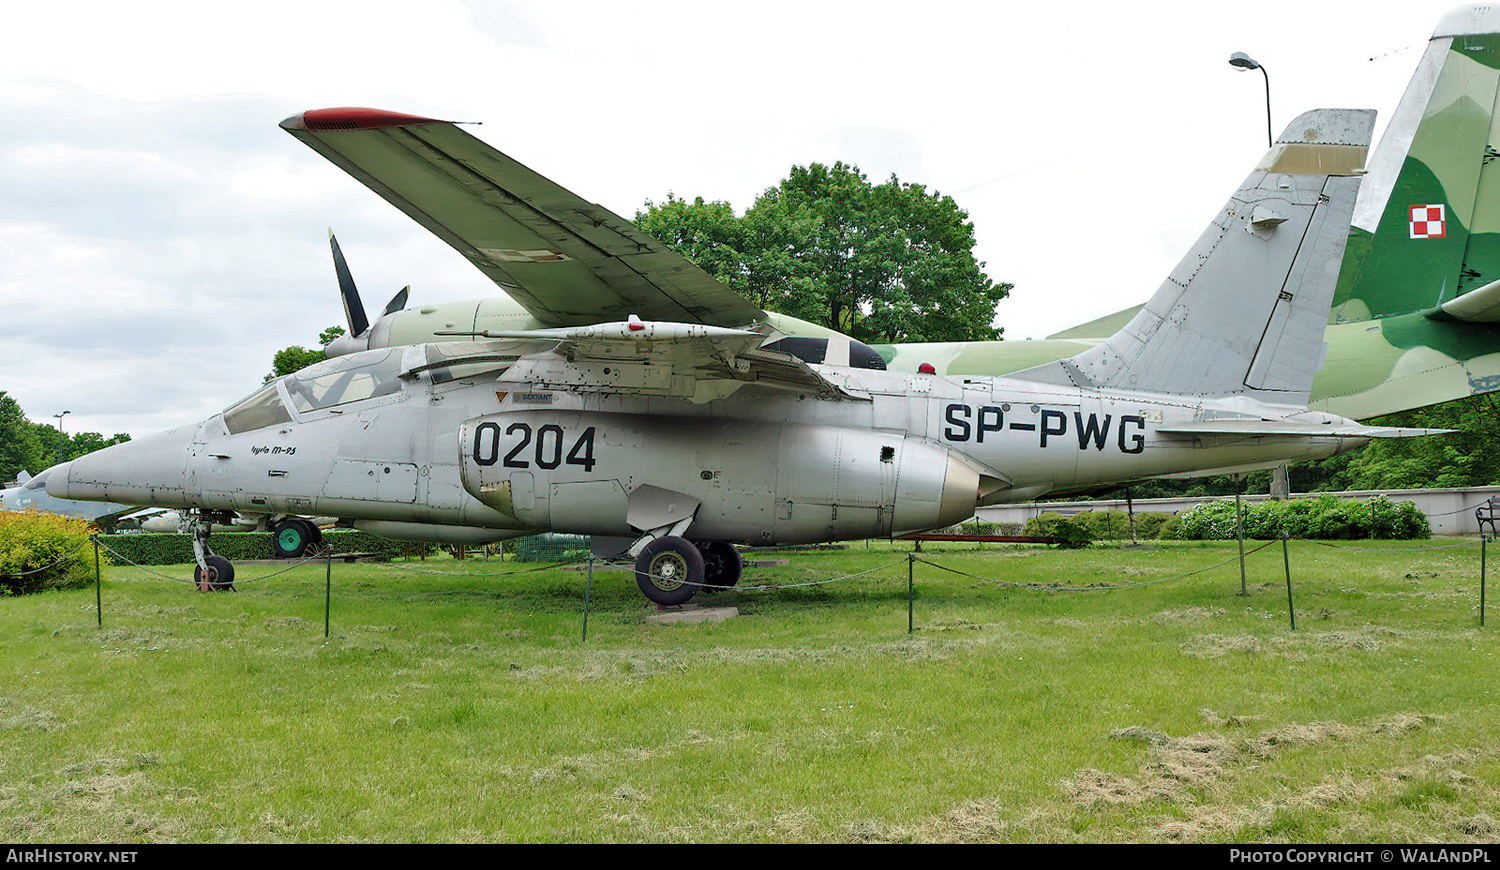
(722, 565)
(291, 539)
(219, 578)
(669, 571)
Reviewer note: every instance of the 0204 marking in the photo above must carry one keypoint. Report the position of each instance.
(545, 443)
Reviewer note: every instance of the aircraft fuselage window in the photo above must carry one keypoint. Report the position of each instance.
(488, 357)
(815, 350)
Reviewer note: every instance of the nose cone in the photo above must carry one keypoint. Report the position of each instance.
(148, 471)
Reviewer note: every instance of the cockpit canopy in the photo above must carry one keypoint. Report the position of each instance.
(333, 382)
(346, 379)
(371, 374)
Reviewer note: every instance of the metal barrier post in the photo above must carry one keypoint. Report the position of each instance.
(910, 560)
(327, 589)
(1286, 561)
(1483, 542)
(587, 595)
(1239, 534)
(99, 597)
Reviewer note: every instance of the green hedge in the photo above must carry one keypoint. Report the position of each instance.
(1322, 518)
(1070, 535)
(41, 551)
(1081, 528)
(177, 549)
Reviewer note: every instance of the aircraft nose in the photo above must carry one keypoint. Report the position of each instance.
(148, 471)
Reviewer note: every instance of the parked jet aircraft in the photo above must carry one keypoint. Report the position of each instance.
(648, 406)
(1414, 316)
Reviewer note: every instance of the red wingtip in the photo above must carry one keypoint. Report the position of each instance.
(352, 118)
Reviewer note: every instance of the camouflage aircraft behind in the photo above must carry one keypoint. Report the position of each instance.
(1413, 321)
(650, 407)
(1416, 315)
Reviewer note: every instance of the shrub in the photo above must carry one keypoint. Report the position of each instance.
(1323, 518)
(41, 551)
(1399, 521)
(1115, 525)
(1070, 535)
(1210, 521)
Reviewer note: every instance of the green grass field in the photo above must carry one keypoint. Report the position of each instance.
(458, 706)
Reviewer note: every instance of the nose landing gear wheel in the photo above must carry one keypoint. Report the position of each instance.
(669, 571)
(219, 577)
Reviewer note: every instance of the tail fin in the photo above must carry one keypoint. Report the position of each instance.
(1244, 312)
(1426, 227)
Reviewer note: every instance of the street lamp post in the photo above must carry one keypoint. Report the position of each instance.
(1241, 61)
(60, 436)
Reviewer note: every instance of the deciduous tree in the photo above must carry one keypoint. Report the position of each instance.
(889, 262)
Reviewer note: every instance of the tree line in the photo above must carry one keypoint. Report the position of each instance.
(31, 447)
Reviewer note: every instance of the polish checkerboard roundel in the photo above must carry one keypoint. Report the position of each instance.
(1428, 222)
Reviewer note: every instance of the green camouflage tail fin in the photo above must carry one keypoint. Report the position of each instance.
(1426, 227)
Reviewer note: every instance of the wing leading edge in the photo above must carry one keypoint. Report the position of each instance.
(568, 262)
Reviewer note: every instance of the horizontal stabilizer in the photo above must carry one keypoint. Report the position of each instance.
(1480, 305)
(1290, 429)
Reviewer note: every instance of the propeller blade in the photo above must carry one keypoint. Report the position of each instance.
(397, 302)
(354, 310)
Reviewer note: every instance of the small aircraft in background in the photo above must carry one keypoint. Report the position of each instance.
(30, 494)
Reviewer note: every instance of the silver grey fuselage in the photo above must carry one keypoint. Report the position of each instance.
(483, 457)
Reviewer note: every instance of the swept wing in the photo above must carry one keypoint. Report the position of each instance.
(567, 261)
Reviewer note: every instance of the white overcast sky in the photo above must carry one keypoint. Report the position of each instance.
(161, 237)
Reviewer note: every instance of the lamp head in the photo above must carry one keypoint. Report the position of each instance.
(1240, 60)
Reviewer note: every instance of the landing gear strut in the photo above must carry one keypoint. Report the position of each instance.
(213, 573)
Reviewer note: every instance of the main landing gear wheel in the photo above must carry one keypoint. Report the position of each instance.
(219, 577)
(293, 538)
(669, 571)
(722, 565)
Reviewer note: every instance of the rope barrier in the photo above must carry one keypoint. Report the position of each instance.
(60, 560)
(578, 561)
(769, 587)
(1097, 588)
(321, 554)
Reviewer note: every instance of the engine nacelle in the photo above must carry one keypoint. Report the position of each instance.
(622, 474)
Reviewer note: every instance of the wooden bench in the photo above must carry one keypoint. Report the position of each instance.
(1489, 512)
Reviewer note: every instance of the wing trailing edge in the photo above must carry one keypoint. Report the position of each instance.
(1289, 429)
